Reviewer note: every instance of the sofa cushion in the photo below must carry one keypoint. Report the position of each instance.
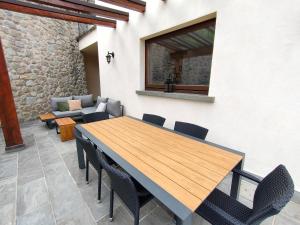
(74, 105)
(88, 110)
(100, 99)
(113, 107)
(86, 100)
(59, 114)
(55, 100)
(62, 106)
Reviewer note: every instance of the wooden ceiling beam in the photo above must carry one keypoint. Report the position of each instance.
(192, 53)
(136, 5)
(38, 10)
(86, 7)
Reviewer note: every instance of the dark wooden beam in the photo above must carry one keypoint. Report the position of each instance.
(34, 9)
(8, 114)
(183, 31)
(192, 53)
(135, 5)
(168, 45)
(181, 43)
(202, 41)
(86, 7)
(202, 38)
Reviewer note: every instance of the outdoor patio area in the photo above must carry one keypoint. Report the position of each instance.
(44, 186)
(149, 112)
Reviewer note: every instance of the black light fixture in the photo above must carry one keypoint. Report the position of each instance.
(109, 56)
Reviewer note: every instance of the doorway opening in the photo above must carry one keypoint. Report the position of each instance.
(92, 71)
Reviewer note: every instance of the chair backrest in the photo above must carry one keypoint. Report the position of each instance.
(91, 152)
(191, 129)
(272, 194)
(122, 184)
(93, 117)
(151, 118)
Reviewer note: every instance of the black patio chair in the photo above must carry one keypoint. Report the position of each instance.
(271, 195)
(93, 117)
(90, 156)
(129, 190)
(151, 118)
(191, 129)
(80, 154)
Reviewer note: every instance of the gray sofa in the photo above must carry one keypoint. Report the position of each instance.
(113, 107)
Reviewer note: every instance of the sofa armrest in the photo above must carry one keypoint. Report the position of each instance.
(122, 110)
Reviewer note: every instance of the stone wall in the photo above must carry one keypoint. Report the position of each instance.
(43, 60)
(161, 65)
(195, 70)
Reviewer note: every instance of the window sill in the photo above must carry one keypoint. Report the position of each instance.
(175, 95)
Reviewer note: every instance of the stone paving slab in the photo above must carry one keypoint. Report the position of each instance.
(8, 168)
(31, 196)
(8, 201)
(42, 216)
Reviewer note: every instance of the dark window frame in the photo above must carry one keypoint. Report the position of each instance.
(196, 89)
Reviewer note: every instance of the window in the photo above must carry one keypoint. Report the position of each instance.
(183, 56)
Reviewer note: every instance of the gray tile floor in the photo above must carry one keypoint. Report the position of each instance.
(42, 185)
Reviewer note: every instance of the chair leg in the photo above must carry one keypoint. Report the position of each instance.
(137, 218)
(111, 206)
(87, 171)
(99, 185)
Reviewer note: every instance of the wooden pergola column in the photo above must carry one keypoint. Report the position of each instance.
(8, 114)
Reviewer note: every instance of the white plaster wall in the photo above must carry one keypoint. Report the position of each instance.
(255, 75)
(88, 40)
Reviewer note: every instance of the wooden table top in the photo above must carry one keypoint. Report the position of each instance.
(47, 116)
(65, 121)
(187, 169)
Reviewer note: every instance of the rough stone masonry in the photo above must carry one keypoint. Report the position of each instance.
(43, 60)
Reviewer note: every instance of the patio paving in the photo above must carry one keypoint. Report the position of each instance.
(42, 185)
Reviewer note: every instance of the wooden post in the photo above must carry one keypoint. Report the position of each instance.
(8, 114)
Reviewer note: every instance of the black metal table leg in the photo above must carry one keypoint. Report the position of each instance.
(50, 124)
(236, 182)
(187, 221)
(56, 127)
(80, 155)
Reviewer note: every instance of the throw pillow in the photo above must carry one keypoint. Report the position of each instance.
(74, 105)
(86, 100)
(55, 100)
(101, 107)
(62, 106)
(100, 99)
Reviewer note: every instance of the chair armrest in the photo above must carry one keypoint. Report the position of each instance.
(247, 175)
(224, 216)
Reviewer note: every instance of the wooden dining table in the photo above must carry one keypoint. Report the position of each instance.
(179, 170)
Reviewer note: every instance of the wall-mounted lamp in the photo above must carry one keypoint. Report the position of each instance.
(109, 56)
